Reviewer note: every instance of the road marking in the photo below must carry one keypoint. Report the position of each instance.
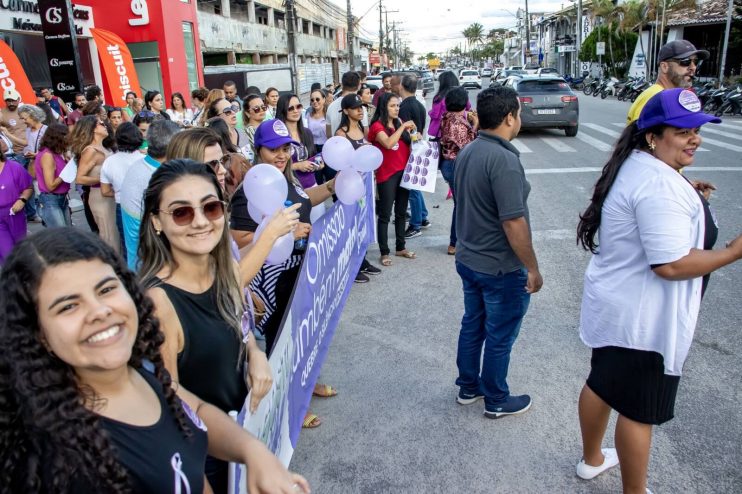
(520, 146)
(594, 169)
(596, 143)
(602, 129)
(711, 130)
(720, 144)
(619, 124)
(729, 121)
(558, 145)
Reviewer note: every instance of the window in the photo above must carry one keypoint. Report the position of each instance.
(190, 54)
(552, 86)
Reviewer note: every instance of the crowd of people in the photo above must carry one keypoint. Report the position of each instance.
(142, 335)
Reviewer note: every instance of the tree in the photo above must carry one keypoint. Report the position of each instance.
(474, 34)
(620, 40)
(430, 56)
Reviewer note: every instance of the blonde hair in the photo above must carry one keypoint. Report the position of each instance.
(214, 95)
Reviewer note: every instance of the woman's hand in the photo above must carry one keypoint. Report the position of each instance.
(303, 166)
(283, 222)
(704, 188)
(302, 230)
(259, 377)
(409, 126)
(17, 206)
(267, 475)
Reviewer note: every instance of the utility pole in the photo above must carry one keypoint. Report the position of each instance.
(381, 37)
(394, 39)
(527, 54)
(578, 40)
(351, 48)
(291, 35)
(730, 12)
(386, 20)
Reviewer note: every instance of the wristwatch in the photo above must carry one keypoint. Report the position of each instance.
(23, 200)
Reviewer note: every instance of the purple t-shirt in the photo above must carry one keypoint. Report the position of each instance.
(14, 179)
(436, 116)
(59, 164)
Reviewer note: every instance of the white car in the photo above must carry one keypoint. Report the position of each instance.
(470, 78)
(487, 72)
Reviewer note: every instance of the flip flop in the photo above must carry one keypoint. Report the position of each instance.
(327, 391)
(385, 261)
(311, 421)
(407, 254)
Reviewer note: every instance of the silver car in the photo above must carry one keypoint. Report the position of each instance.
(546, 102)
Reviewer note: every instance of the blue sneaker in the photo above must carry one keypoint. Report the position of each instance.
(514, 405)
(468, 398)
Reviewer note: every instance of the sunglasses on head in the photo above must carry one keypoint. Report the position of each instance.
(227, 111)
(184, 215)
(685, 62)
(145, 114)
(298, 107)
(214, 164)
(257, 109)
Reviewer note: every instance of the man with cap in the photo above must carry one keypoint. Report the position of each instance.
(12, 127)
(351, 82)
(678, 63)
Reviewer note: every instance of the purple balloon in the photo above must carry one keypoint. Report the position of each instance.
(349, 186)
(282, 247)
(265, 188)
(337, 153)
(366, 158)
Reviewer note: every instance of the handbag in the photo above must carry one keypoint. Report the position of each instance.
(421, 170)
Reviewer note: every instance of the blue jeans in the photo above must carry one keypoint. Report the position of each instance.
(54, 209)
(418, 211)
(447, 169)
(30, 207)
(494, 307)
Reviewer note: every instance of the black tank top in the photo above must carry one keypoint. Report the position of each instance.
(159, 458)
(356, 143)
(211, 365)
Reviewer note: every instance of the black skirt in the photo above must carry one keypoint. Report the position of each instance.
(634, 383)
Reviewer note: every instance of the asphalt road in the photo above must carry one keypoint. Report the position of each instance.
(395, 428)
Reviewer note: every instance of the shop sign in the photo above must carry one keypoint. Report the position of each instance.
(24, 16)
(140, 9)
(60, 40)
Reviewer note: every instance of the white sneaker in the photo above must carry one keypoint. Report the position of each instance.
(587, 472)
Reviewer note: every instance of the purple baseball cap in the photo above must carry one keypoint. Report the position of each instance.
(676, 107)
(273, 134)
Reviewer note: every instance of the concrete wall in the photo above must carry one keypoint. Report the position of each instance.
(221, 34)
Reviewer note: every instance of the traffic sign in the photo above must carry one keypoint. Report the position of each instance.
(600, 48)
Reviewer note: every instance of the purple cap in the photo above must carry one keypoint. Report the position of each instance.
(675, 107)
(273, 134)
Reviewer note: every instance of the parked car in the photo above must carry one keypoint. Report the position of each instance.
(486, 72)
(547, 102)
(504, 74)
(547, 70)
(425, 80)
(374, 82)
(531, 68)
(470, 78)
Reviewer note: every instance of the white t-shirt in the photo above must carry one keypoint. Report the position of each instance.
(136, 181)
(185, 118)
(333, 115)
(651, 216)
(114, 170)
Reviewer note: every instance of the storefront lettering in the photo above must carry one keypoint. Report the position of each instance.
(140, 9)
(20, 6)
(54, 15)
(118, 60)
(21, 24)
(5, 81)
(55, 62)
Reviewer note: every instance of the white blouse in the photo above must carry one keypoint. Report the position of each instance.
(652, 215)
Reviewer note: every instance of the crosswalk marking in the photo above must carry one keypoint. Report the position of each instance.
(731, 121)
(711, 130)
(602, 129)
(619, 124)
(597, 144)
(520, 146)
(558, 145)
(720, 144)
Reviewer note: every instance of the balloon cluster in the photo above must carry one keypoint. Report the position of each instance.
(266, 190)
(339, 154)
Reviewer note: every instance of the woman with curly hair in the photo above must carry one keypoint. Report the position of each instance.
(54, 205)
(88, 148)
(197, 288)
(86, 404)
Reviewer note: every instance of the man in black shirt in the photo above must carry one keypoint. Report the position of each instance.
(412, 109)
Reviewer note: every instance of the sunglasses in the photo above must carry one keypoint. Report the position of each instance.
(227, 111)
(298, 107)
(316, 100)
(145, 114)
(214, 164)
(184, 215)
(257, 109)
(685, 62)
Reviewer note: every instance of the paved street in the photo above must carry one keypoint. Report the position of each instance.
(395, 428)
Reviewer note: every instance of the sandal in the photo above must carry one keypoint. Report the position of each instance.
(385, 260)
(311, 421)
(407, 254)
(324, 391)
(451, 250)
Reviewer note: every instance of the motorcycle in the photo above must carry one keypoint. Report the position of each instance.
(715, 99)
(704, 91)
(608, 87)
(732, 102)
(637, 88)
(590, 87)
(574, 82)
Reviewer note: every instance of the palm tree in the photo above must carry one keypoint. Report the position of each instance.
(474, 34)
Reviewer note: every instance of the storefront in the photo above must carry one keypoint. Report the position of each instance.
(162, 36)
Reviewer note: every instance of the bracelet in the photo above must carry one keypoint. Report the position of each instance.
(330, 188)
(23, 200)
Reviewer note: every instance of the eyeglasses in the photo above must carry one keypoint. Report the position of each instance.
(184, 215)
(685, 62)
(214, 164)
(227, 111)
(316, 100)
(298, 107)
(257, 109)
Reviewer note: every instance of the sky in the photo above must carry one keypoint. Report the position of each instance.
(436, 25)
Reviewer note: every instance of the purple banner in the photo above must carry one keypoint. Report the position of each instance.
(335, 249)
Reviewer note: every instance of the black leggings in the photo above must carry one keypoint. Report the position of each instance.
(391, 193)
